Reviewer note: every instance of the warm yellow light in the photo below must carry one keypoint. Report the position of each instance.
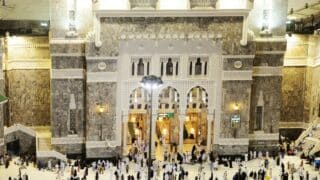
(136, 131)
(187, 118)
(101, 109)
(164, 131)
(192, 130)
(236, 107)
(173, 4)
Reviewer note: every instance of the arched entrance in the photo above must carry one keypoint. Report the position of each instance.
(138, 118)
(167, 125)
(195, 125)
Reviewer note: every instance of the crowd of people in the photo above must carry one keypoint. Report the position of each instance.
(172, 166)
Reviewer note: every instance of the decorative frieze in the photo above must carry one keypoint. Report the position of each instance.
(267, 71)
(68, 140)
(67, 74)
(237, 75)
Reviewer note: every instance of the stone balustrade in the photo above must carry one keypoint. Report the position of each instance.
(51, 154)
(143, 4)
(203, 4)
(19, 127)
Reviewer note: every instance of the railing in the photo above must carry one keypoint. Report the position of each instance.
(19, 127)
(54, 154)
(304, 134)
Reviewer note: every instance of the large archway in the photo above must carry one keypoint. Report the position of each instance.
(195, 125)
(167, 125)
(138, 119)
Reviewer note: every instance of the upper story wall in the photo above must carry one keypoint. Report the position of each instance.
(60, 19)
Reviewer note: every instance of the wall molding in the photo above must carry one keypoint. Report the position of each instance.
(267, 71)
(233, 141)
(302, 61)
(28, 64)
(237, 75)
(271, 39)
(101, 144)
(66, 54)
(264, 136)
(271, 52)
(99, 58)
(67, 74)
(66, 41)
(101, 77)
(291, 125)
(240, 56)
(67, 140)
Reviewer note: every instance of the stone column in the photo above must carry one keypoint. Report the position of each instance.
(165, 68)
(182, 118)
(174, 68)
(153, 149)
(202, 67)
(124, 136)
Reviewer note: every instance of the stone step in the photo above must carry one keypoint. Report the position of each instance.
(44, 144)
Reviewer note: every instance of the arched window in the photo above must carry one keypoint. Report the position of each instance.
(132, 69)
(177, 68)
(190, 68)
(198, 65)
(205, 68)
(148, 66)
(169, 68)
(161, 68)
(140, 67)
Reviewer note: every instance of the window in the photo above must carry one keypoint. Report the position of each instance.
(169, 68)
(190, 68)
(140, 67)
(72, 125)
(259, 117)
(205, 68)
(161, 68)
(177, 68)
(148, 66)
(132, 69)
(198, 67)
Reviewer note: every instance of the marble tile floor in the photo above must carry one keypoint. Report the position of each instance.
(35, 174)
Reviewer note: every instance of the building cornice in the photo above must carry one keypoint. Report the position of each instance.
(173, 13)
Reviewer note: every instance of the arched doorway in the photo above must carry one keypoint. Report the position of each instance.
(167, 125)
(195, 125)
(138, 118)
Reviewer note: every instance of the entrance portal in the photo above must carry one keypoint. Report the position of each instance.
(195, 125)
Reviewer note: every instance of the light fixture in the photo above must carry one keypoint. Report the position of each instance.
(101, 108)
(151, 82)
(236, 107)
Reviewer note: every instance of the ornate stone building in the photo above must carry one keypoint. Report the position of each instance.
(229, 83)
(210, 53)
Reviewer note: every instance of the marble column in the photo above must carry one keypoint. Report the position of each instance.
(153, 149)
(124, 136)
(182, 118)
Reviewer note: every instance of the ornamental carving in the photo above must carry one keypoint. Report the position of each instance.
(143, 4)
(203, 3)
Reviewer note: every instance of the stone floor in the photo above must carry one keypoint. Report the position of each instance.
(34, 174)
